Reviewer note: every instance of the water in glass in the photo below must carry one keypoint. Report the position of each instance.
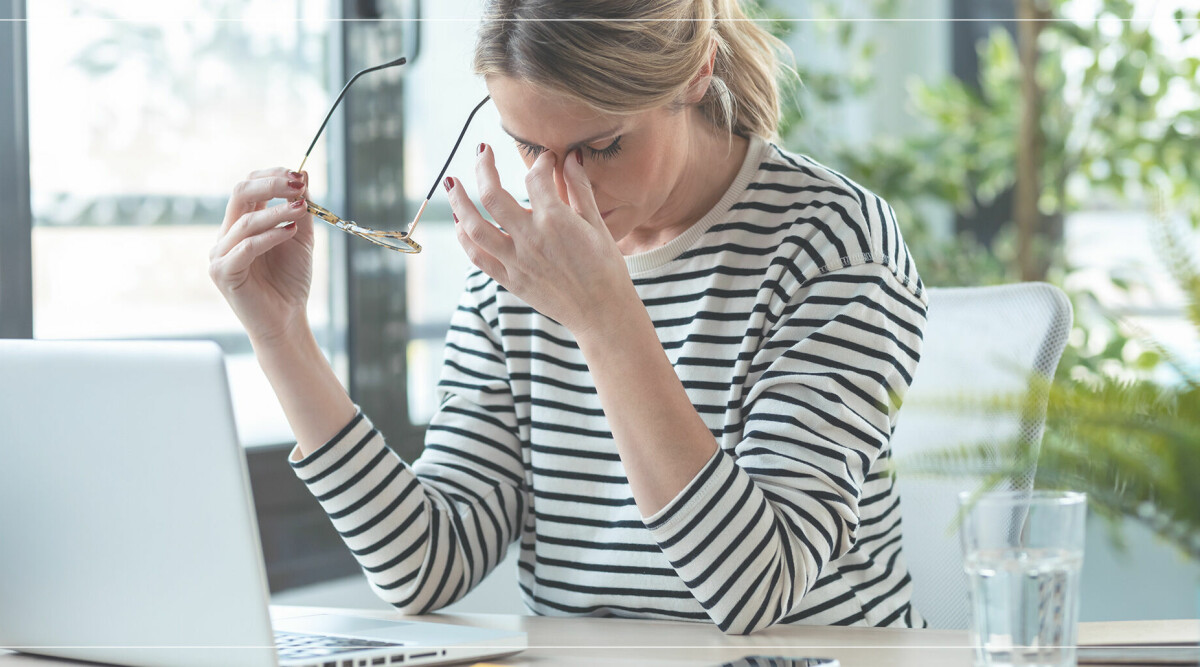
(1025, 603)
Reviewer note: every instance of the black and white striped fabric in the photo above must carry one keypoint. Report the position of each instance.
(793, 315)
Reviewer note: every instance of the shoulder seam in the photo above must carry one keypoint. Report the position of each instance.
(914, 288)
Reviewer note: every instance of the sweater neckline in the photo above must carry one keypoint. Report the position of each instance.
(650, 260)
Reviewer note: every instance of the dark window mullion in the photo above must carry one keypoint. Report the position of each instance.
(16, 215)
(974, 21)
(372, 149)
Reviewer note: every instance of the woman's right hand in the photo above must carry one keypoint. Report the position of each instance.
(264, 270)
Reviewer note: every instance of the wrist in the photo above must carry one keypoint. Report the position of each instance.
(293, 337)
(622, 319)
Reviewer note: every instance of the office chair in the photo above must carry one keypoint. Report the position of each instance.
(979, 342)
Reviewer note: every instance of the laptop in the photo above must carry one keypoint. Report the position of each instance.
(127, 527)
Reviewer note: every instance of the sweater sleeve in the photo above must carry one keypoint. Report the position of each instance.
(751, 532)
(426, 534)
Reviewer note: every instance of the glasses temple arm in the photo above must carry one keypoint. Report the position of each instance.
(446, 166)
(398, 61)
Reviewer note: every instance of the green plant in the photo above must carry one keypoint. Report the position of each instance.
(1132, 444)
(1115, 115)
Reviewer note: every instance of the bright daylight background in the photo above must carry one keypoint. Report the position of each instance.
(143, 114)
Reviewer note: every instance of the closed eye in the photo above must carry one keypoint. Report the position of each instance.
(607, 153)
(529, 149)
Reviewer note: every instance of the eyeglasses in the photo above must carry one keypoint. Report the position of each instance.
(398, 241)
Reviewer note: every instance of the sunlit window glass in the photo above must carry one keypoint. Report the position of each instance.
(143, 115)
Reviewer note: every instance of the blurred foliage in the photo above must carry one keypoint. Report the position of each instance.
(809, 86)
(1132, 444)
(1119, 114)
(191, 72)
(1119, 119)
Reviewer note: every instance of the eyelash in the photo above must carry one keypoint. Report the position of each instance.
(606, 153)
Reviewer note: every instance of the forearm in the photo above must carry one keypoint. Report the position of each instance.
(660, 437)
(312, 397)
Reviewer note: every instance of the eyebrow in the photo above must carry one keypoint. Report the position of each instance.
(578, 144)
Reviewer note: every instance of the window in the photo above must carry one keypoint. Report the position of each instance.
(142, 116)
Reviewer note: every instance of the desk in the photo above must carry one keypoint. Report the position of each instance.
(610, 642)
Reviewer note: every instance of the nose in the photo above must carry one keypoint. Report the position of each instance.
(559, 180)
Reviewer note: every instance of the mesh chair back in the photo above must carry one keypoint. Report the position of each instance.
(979, 342)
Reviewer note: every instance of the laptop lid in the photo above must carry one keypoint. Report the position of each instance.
(127, 522)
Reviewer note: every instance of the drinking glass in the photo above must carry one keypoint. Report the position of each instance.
(1023, 552)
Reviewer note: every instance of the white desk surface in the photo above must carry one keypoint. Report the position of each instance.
(609, 642)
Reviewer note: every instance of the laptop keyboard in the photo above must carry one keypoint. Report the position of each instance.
(302, 646)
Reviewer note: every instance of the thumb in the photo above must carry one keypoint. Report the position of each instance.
(579, 189)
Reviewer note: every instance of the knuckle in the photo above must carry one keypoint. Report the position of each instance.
(242, 188)
(242, 225)
(489, 198)
(246, 247)
(216, 272)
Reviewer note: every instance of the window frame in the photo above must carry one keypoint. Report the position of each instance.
(369, 330)
(16, 217)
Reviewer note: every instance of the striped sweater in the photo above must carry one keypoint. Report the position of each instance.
(792, 314)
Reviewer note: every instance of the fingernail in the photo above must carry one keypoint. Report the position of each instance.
(288, 225)
(479, 149)
(296, 185)
(455, 218)
(579, 156)
(295, 174)
(299, 203)
(448, 183)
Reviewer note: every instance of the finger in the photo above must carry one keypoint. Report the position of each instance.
(539, 182)
(494, 198)
(579, 189)
(228, 270)
(480, 258)
(257, 222)
(261, 187)
(279, 171)
(474, 226)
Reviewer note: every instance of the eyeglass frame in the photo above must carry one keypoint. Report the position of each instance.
(375, 236)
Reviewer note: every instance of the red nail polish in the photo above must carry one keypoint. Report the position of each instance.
(448, 183)
(288, 225)
(299, 203)
(479, 150)
(296, 185)
(579, 156)
(455, 218)
(296, 175)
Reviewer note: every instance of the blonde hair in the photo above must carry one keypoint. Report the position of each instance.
(626, 56)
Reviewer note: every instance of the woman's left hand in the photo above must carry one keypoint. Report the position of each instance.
(559, 258)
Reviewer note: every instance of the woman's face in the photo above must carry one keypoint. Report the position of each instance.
(634, 162)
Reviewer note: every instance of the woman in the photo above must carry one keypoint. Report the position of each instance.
(674, 376)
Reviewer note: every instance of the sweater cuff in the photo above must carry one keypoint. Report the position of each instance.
(331, 455)
(697, 491)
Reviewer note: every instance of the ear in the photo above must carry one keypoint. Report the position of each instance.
(700, 83)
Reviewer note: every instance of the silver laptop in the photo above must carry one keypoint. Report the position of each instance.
(127, 528)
